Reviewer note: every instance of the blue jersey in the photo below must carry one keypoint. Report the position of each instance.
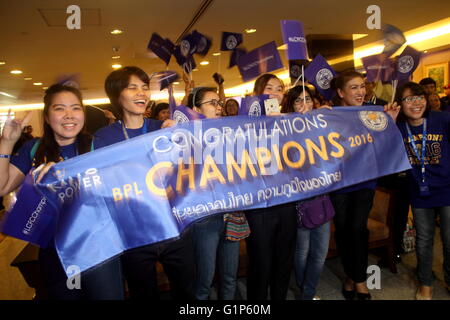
(437, 160)
(114, 132)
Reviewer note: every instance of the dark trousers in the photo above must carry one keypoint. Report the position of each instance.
(101, 283)
(270, 249)
(177, 258)
(352, 236)
(399, 183)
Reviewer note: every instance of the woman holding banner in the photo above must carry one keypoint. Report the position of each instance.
(64, 137)
(426, 135)
(312, 243)
(353, 204)
(271, 243)
(129, 92)
(218, 235)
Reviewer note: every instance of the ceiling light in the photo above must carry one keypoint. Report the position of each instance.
(27, 79)
(116, 31)
(250, 30)
(195, 69)
(425, 51)
(2, 62)
(357, 36)
(16, 71)
(115, 57)
(44, 88)
(204, 63)
(176, 82)
(116, 66)
(216, 54)
(37, 83)
(7, 95)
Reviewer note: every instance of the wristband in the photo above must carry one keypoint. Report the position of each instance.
(5, 156)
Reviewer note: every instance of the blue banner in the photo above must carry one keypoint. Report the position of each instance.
(150, 188)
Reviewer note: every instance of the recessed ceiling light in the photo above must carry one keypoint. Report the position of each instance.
(44, 88)
(195, 69)
(2, 62)
(16, 71)
(176, 82)
(216, 54)
(27, 79)
(37, 83)
(116, 31)
(251, 30)
(115, 57)
(116, 66)
(204, 63)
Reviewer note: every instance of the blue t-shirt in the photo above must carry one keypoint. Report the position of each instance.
(23, 161)
(437, 160)
(114, 132)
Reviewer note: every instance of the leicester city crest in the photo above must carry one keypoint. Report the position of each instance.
(405, 64)
(185, 47)
(255, 109)
(180, 117)
(295, 71)
(201, 45)
(323, 78)
(374, 120)
(231, 42)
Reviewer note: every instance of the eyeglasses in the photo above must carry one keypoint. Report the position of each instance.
(412, 99)
(214, 103)
(300, 100)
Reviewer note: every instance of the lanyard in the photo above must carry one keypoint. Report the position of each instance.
(125, 133)
(414, 146)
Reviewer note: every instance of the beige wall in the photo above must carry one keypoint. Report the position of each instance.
(36, 121)
(429, 59)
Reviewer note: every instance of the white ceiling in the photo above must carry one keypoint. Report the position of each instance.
(45, 49)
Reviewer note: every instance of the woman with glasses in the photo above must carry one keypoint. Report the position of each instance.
(312, 244)
(426, 135)
(210, 235)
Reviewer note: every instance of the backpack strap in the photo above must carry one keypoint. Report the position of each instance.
(34, 149)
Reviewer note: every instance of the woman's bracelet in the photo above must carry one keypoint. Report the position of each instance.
(6, 156)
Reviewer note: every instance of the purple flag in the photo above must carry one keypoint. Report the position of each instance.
(163, 48)
(393, 39)
(319, 73)
(202, 43)
(235, 56)
(406, 63)
(253, 106)
(379, 67)
(188, 45)
(184, 114)
(32, 218)
(187, 63)
(165, 78)
(294, 37)
(172, 103)
(230, 40)
(260, 60)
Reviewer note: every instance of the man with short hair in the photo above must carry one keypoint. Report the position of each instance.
(429, 85)
(370, 96)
